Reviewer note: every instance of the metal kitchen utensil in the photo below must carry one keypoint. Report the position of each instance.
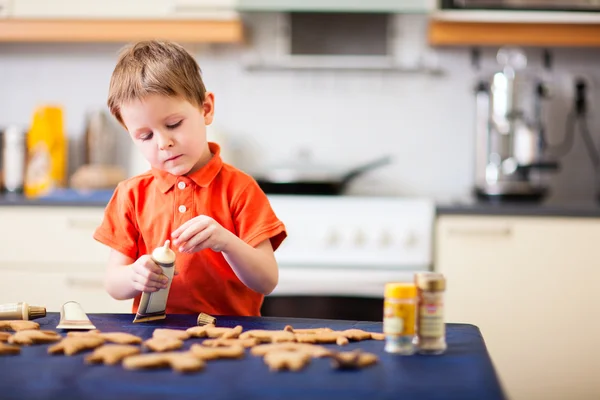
(310, 179)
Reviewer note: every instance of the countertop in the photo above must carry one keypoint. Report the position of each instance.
(549, 208)
(464, 372)
(467, 206)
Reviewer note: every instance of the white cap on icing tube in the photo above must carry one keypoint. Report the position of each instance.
(164, 254)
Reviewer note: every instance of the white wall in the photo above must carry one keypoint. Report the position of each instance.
(344, 117)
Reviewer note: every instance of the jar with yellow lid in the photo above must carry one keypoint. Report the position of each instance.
(399, 309)
(431, 329)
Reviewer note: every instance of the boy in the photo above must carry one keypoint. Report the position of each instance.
(220, 222)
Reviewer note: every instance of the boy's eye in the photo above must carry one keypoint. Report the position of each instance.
(146, 137)
(175, 125)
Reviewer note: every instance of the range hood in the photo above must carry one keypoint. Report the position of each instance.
(391, 6)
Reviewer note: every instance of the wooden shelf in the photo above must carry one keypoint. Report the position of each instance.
(189, 31)
(460, 33)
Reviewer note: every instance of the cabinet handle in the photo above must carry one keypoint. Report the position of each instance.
(85, 283)
(486, 232)
(85, 224)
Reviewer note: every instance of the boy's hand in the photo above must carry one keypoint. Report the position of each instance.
(147, 276)
(200, 233)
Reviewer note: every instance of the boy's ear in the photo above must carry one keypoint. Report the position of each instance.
(208, 108)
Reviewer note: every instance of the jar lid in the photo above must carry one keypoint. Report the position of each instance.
(400, 290)
(430, 281)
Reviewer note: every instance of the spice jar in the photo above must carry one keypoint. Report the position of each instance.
(431, 330)
(399, 318)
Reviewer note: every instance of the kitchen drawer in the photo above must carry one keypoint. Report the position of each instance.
(52, 290)
(44, 235)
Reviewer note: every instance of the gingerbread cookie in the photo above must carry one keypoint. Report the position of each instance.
(290, 360)
(7, 349)
(178, 361)
(356, 334)
(266, 336)
(73, 345)
(290, 328)
(353, 359)
(161, 333)
(18, 325)
(310, 349)
(112, 337)
(111, 354)
(163, 344)
(4, 336)
(248, 342)
(31, 336)
(213, 353)
(212, 331)
(323, 337)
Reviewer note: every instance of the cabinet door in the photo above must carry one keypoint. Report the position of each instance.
(90, 9)
(46, 289)
(530, 285)
(60, 236)
(53, 289)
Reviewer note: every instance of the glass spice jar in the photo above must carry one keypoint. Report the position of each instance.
(430, 335)
(399, 313)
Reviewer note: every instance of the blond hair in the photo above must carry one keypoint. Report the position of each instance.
(154, 67)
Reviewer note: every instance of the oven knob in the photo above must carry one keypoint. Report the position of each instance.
(385, 240)
(332, 238)
(411, 240)
(360, 238)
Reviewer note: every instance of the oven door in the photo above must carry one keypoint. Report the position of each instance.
(545, 5)
(332, 293)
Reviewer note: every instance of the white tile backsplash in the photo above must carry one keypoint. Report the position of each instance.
(345, 118)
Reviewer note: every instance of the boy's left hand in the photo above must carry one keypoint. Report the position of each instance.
(201, 232)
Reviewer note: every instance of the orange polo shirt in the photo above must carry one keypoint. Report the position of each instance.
(145, 209)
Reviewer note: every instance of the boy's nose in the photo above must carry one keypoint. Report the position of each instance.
(164, 141)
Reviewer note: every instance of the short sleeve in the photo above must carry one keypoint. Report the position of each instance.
(118, 229)
(254, 218)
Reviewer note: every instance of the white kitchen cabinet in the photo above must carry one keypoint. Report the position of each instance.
(400, 6)
(89, 9)
(48, 256)
(532, 286)
(122, 9)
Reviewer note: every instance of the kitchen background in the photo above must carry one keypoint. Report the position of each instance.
(343, 118)
(536, 264)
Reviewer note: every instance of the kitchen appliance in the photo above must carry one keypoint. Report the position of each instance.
(511, 162)
(307, 178)
(14, 154)
(546, 5)
(342, 250)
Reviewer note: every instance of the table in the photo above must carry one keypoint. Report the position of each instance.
(464, 372)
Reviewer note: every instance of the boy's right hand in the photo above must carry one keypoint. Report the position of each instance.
(147, 276)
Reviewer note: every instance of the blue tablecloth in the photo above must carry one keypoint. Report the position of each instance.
(463, 372)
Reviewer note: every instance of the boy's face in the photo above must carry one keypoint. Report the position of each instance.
(170, 131)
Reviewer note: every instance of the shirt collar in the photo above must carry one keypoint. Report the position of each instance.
(203, 177)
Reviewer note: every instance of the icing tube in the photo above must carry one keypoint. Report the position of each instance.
(72, 316)
(22, 311)
(153, 304)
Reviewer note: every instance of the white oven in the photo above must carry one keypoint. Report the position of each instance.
(345, 248)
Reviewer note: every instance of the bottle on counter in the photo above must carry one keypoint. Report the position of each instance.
(14, 151)
(399, 311)
(431, 329)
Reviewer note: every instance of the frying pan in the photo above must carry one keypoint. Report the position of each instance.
(313, 180)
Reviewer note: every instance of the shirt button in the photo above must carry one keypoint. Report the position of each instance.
(181, 185)
(182, 209)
